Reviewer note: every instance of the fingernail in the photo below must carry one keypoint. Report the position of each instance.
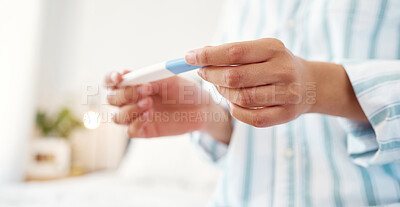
(191, 57)
(143, 103)
(114, 76)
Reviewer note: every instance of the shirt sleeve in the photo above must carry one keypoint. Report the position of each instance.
(377, 87)
(208, 147)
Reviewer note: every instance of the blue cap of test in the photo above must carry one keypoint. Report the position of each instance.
(180, 66)
(157, 72)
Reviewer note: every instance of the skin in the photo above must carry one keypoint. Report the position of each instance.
(263, 82)
(140, 108)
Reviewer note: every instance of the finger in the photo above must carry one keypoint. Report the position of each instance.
(262, 117)
(241, 76)
(128, 113)
(148, 130)
(261, 96)
(129, 94)
(140, 125)
(113, 79)
(122, 96)
(235, 53)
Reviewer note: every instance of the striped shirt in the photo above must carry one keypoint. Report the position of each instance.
(318, 160)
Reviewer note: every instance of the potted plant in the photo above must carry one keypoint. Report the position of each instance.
(50, 154)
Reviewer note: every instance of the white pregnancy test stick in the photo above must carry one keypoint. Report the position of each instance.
(157, 72)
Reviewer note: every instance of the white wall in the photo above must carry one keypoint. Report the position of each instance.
(85, 39)
(81, 40)
(19, 48)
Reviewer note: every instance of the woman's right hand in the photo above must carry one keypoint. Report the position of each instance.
(167, 107)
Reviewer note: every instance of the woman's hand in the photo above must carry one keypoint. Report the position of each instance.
(266, 85)
(167, 107)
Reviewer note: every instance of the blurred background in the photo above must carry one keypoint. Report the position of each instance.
(58, 145)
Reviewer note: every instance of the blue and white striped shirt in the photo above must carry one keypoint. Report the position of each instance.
(318, 160)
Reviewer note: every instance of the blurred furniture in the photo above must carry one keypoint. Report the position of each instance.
(50, 152)
(165, 172)
(49, 158)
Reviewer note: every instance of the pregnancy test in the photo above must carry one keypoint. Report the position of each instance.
(157, 72)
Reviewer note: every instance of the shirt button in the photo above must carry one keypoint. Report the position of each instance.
(290, 23)
(288, 153)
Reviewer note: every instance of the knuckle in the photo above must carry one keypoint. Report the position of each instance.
(294, 98)
(233, 78)
(277, 44)
(236, 53)
(244, 98)
(202, 56)
(289, 77)
(294, 94)
(288, 74)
